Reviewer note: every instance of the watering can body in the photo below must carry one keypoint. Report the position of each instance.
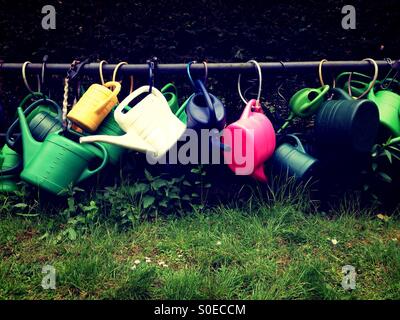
(388, 104)
(251, 140)
(94, 105)
(110, 127)
(150, 125)
(9, 169)
(44, 117)
(346, 125)
(57, 162)
(204, 110)
(293, 160)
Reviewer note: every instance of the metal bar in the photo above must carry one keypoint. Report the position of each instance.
(93, 68)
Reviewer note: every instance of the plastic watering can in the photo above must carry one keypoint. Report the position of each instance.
(150, 125)
(9, 169)
(43, 115)
(94, 105)
(57, 162)
(171, 94)
(306, 102)
(359, 82)
(293, 160)
(110, 127)
(251, 140)
(345, 124)
(204, 110)
(388, 104)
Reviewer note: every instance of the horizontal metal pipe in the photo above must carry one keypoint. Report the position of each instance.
(93, 68)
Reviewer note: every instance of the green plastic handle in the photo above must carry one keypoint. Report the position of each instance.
(306, 102)
(168, 87)
(88, 173)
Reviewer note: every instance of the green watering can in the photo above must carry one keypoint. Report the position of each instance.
(170, 93)
(9, 169)
(57, 162)
(305, 103)
(388, 102)
(110, 127)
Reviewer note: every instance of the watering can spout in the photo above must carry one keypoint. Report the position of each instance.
(259, 174)
(129, 140)
(30, 145)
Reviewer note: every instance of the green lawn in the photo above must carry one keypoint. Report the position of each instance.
(258, 252)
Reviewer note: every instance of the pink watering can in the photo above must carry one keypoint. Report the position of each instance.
(251, 140)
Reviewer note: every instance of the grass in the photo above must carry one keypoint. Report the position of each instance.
(255, 252)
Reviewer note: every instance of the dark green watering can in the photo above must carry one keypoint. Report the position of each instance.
(58, 162)
(291, 159)
(344, 124)
(9, 170)
(171, 95)
(43, 115)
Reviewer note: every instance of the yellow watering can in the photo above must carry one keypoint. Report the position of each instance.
(150, 125)
(95, 104)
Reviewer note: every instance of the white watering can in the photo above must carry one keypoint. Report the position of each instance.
(150, 125)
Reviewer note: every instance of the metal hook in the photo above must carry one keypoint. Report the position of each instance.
(115, 75)
(321, 80)
(26, 80)
(101, 70)
(190, 75)
(259, 86)
(44, 62)
(372, 83)
(152, 66)
(394, 65)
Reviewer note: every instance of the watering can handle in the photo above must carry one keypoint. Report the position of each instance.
(322, 93)
(114, 93)
(87, 173)
(33, 105)
(202, 89)
(299, 145)
(169, 86)
(135, 94)
(247, 112)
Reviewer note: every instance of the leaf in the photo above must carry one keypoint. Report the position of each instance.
(388, 155)
(148, 201)
(157, 184)
(187, 183)
(20, 205)
(374, 166)
(385, 177)
(148, 175)
(71, 234)
(383, 217)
